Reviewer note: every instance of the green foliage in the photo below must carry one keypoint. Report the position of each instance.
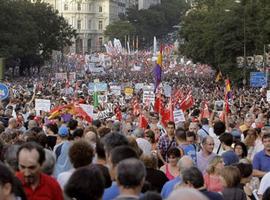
(31, 30)
(214, 31)
(157, 21)
(119, 29)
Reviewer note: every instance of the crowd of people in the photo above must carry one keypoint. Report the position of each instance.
(211, 154)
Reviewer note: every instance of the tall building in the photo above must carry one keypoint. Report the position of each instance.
(145, 4)
(90, 18)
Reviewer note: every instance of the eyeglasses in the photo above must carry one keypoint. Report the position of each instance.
(129, 131)
(210, 144)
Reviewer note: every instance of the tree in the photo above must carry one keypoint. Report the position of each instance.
(120, 30)
(30, 31)
(215, 32)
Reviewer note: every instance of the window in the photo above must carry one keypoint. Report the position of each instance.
(100, 8)
(79, 6)
(89, 24)
(100, 41)
(100, 25)
(79, 24)
(89, 41)
(65, 6)
(79, 45)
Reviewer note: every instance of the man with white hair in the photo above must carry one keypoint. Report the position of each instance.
(187, 194)
(184, 163)
(144, 145)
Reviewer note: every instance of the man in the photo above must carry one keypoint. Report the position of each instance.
(265, 183)
(184, 163)
(130, 176)
(12, 125)
(229, 156)
(118, 154)
(166, 142)
(215, 131)
(144, 145)
(204, 131)
(261, 161)
(63, 163)
(36, 184)
(193, 127)
(193, 178)
(206, 154)
(81, 154)
(184, 146)
(10, 188)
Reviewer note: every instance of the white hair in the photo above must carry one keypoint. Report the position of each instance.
(186, 194)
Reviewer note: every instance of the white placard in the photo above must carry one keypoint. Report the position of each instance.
(88, 109)
(102, 98)
(268, 96)
(116, 90)
(149, 97)
(178, 116)
(42, 104)
(167, 90)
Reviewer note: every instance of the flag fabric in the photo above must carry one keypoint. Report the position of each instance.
(227, 94)
(143, 123)
(136, 108)
(219, 76)
(205, 110)
(157, 70)
(118, 113)
(187, 102)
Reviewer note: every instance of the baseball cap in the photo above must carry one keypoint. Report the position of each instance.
(63, 131)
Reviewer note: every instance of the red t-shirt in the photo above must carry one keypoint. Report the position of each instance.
(48, 188)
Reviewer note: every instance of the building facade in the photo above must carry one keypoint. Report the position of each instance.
(90, 18)
(145, 4)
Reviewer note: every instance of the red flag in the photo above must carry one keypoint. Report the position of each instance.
(187, 102)
(136, 108)
(143, 123)
(205, 111)
(167, 114)
(118, 113)
(157, 104)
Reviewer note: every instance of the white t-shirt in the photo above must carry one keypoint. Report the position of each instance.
(63, 177)
(144, 145)
(265, 183)
(217, 148)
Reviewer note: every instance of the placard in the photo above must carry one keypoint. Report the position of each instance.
(99, 87)
(148, 97)
(116, 90)
(178, 116)
(4, 91)
(43, 104)
(268, 96)
(128, 91)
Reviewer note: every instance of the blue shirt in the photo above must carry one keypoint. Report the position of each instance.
(261, 161)
(169, 186)
(111, 192)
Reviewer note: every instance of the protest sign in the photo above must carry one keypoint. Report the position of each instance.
(178, 116)
(42, 104)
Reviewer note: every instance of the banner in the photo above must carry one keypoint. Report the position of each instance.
(99, 87)
(88, 109)
(128, 91)
(42, 104)
(61, 76)
(167, 90)
(116, 90)
(258, 79)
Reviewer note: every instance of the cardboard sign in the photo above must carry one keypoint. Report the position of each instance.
(268, 96)
(99, 87)
(42, 104)
(61, 76)
(178, 116)
(148, 97)
(128, 91)
(116, 90)
(167, 90)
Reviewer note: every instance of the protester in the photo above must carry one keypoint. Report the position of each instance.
(36, 184)
(240, 150)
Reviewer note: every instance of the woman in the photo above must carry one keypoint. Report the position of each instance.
(150, 136)
(240, 150)
(212, 176)
(250, 139)
(231, 177)
(171, 169)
